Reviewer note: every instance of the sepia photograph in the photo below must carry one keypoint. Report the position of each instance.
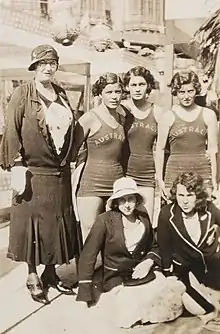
(109, 166)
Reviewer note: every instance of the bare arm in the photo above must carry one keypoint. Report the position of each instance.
(164, 125)
(81, 132)
(212, 130)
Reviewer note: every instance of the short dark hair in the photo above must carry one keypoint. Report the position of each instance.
(104, 80)
(142, 72)
(114, 203)
(193, 183)
(184, 78)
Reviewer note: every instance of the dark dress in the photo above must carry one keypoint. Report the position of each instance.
(42, 229)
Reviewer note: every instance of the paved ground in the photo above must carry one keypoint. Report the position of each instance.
(20, 315)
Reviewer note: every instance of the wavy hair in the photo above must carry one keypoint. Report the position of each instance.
(193, 183)
(144, 73)
(184, 78)
(104, 80)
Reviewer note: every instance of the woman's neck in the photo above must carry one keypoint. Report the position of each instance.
(44, 85)
(142, 104)
(188, 109)
(46, 89)
(189, 215)
(130, 219)
(107, 110)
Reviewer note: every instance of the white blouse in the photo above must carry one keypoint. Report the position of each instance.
(58, 118)
(193, 228)
(133, 233)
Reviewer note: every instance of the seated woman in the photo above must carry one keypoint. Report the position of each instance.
(131, 260)
(189, 242)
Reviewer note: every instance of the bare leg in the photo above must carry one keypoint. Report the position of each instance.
(88, 209)
(148, 193)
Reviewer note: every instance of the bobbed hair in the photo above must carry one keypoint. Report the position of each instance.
(184, 78)
(142, 72)
(104, 80)
(193, 183)
(114, 204)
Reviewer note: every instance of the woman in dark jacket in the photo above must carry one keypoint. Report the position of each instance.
(36, 146)
(189, 240)
(125, 237)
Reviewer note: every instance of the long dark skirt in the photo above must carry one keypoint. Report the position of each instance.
(42, 228)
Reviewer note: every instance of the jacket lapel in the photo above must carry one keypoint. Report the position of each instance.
(176, 220)
(38, 110)
(118, 226)
(145, 220)
(205, 224)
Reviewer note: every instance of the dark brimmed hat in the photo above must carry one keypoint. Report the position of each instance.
(42, 52)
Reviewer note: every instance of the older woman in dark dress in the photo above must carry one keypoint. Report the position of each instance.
(35, 147)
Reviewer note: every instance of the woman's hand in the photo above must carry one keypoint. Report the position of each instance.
(142, 269)
(18, 179)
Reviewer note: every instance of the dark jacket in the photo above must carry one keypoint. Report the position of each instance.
(107, 235)
(177, 248)
(26, 120)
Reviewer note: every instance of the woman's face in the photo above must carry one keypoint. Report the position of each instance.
(127, 204)
(45, 70)
(111, 95)
(186, 95)
(137, 87)
(186, 200)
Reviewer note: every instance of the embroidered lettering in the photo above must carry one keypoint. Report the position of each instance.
(109, 136)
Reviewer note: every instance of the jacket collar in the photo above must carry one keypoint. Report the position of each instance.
(116, 219)
(176, 220)
(35, 96)
(37, 108)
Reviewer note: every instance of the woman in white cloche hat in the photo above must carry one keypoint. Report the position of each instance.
(133, 284)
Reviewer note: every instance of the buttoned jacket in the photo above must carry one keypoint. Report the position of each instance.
(107, 236)
(27, 134)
